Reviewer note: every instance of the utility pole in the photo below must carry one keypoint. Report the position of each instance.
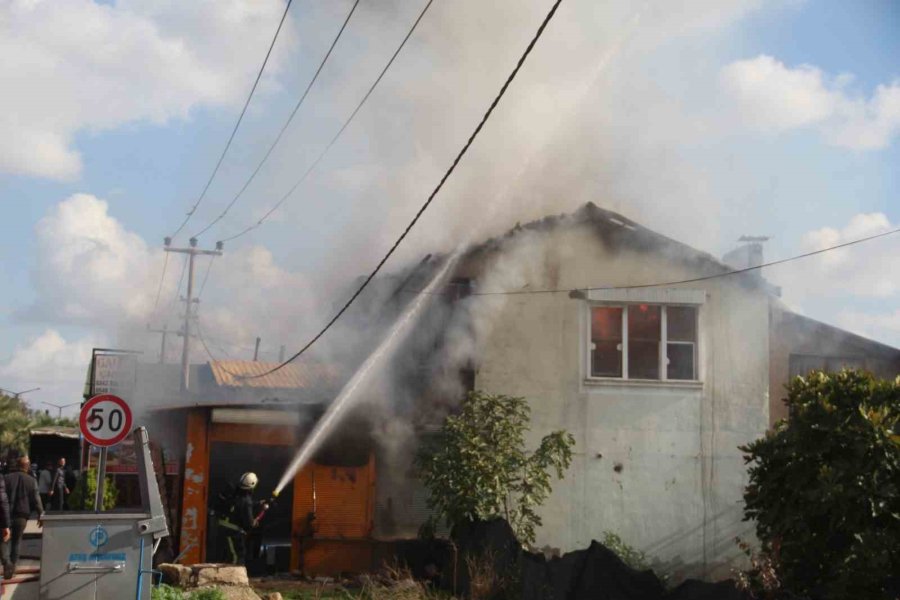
(162, 347)
(192, 252)
(256, 350)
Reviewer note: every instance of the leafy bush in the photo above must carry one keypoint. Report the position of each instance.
(825, 487)
(761, 581)
(631, 556)
(478, 468)
(167, 592)
(82, 497)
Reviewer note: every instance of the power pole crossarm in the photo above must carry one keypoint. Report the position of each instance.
(192, 253)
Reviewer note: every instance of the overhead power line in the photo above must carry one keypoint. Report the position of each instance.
(174, 300)
(316, 162)
(283, 128)
(206, 276)
(212, 175)
(161, 279)
(428, 201)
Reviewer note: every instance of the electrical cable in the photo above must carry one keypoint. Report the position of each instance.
(206, 276)
(180, 282)
(321, 156)
(237, 124)
(694, 279)
(161, 280)
(206, 348)
(428, 202)
(283, 128)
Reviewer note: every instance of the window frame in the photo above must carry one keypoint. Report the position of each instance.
(663, 343)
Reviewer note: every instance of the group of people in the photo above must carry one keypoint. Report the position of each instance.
(19, 499)
(55, 485)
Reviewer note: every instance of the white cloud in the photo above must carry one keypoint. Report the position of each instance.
(865, 270)
(89, 268)
(76, 65)
(92, 271)
(53, 364)
(772, 97)
(48, 358)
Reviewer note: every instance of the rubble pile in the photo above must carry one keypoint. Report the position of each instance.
(595, 573)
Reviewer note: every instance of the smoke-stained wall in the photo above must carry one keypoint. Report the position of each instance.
(656, 462)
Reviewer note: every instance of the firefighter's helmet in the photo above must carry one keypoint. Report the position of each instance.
(248, 481)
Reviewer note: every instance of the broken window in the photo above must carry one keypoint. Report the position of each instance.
(644, 341)
(644, 336)
(606, 341)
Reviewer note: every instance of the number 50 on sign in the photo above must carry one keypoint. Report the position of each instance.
(105, 420)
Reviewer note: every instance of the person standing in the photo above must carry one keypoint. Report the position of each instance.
(59, 491)
(4, 511)
(45, 480)
(22, 491)
(238, 522)
(4, 524)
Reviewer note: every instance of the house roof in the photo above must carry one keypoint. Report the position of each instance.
(863, 344)
(57, 431)
(618, 231)
(250, 374)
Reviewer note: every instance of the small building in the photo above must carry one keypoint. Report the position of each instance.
(651, 353)
(52, 442)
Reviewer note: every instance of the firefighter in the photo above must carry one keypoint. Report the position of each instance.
(238, 521)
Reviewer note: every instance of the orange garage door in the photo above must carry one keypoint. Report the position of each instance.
(338, 538)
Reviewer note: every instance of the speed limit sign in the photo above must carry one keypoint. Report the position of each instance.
(105, 420)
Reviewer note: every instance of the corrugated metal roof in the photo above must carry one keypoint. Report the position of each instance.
(58, 431)
(249, 374)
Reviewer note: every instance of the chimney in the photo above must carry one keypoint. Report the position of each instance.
(748, 254)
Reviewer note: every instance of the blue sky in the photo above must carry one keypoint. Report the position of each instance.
(679, 126)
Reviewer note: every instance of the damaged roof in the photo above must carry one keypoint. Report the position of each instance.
(57, 431)
(616, 230)
(293, 376)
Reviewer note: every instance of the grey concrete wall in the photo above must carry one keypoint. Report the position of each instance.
(656, 463)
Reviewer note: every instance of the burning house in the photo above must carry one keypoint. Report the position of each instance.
(657, 361)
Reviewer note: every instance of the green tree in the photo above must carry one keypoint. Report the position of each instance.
(825, 487)
(16, 422)
(15, 419)
(82, 497)
(478, 467)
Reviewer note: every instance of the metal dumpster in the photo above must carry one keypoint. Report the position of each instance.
(90, 555)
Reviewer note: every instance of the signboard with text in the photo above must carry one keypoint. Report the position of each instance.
(113, 372)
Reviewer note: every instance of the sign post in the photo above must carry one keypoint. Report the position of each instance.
(105, 420)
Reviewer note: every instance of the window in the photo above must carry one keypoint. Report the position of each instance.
(644, 341)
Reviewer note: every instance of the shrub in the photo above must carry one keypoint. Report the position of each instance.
(629, 555)
(167, 592)
(825, 487)
(478, 469)
(82, 497)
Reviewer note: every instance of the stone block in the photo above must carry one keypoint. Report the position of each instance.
(176, 575)
(214, 575)
(234, 592)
